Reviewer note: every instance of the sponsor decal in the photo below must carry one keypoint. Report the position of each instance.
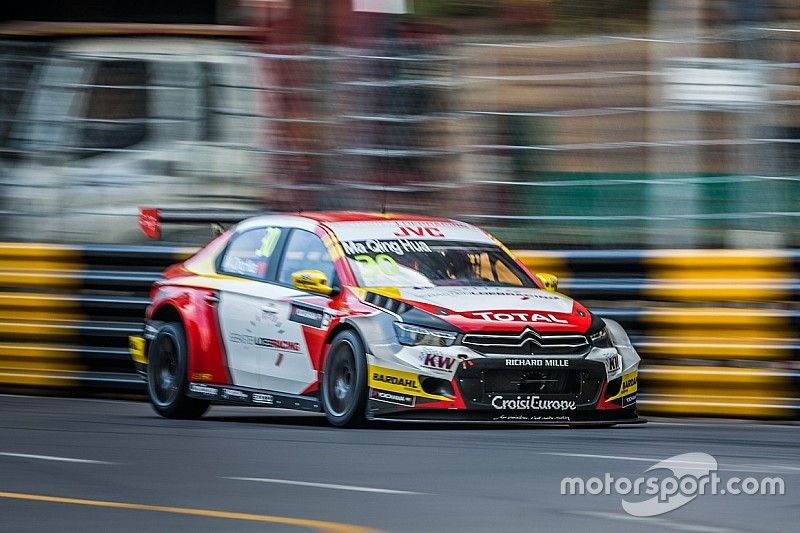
(205, 390)
(282, 345)
(245, 266)
(437, 361)
(460, 292)
(538, 362)
(532, 403)
(408, 229)
(614, 363)
(410, 383)
(377, 246)
(629, 385)
(264, 342)
(529, 418)
(233, 394)
(629, 400)
(202, 376)
(310, 316)
(418, 230)
(389, 379)
(519, 317)
(265, 399)
(392, 397)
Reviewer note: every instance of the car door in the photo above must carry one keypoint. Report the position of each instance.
(247, 262)
(289, 322)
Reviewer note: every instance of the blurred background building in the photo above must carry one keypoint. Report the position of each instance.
(555, 123)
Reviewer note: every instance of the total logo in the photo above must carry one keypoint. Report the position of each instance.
(534, 403)
(519, 317)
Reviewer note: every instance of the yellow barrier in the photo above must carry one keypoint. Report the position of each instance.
(711, 324)
(737, 289)
(543, 262)
(34, 315)
(718, 333)
(717, 391)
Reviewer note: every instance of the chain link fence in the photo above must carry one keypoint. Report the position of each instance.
(586, 142)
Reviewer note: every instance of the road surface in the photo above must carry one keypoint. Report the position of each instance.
(99, 465)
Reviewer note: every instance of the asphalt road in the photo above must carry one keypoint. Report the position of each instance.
(106, 465)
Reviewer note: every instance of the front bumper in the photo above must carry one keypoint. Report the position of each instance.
(511, 390)
(138, 345)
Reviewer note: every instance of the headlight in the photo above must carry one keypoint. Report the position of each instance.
(412, 335)
(601, 339)
(598, 334)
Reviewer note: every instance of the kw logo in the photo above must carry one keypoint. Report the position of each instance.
(439, 362)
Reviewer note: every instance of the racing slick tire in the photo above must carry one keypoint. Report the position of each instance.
(344, 381)
(166, 375)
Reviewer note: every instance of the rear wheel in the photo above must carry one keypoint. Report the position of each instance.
(167, 384)
(344, 381)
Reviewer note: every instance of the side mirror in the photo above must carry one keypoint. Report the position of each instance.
(312, 281)
(548, 281)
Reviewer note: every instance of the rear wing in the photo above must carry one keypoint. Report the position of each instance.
(151, 219)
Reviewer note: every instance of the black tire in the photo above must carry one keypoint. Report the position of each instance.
(167, 384)
(344, 381)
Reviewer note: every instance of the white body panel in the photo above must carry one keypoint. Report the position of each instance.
(265, 349)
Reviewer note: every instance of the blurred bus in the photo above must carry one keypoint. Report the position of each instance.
(99, 125)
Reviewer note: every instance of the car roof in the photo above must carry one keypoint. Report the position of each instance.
(354, 225)
(366, 216)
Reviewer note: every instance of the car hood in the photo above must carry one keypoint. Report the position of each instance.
(494, 308)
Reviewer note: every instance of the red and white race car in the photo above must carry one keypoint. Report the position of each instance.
(369, 316)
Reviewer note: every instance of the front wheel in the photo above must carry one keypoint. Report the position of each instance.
(167, 384)
(344, 381)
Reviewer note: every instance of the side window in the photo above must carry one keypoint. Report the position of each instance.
(250, 252)
(116, 107)
(305, 251)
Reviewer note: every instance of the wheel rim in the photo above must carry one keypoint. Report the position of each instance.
(341, 380)
(165, 370)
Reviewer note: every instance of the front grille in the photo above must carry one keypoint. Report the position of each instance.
(528, 342)
(545, 381)
(482, 380)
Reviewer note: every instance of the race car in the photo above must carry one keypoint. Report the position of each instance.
(367, 316)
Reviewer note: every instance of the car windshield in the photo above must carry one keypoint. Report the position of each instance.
(427, 263)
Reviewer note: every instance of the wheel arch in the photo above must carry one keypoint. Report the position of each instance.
(194, 308)
(168, 312)
(344, 325)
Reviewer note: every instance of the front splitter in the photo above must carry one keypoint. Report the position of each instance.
(453, 416)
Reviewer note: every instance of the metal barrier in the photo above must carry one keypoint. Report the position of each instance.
(717, 329)
(66, 312)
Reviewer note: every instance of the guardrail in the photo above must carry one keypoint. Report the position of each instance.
(718, 330)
